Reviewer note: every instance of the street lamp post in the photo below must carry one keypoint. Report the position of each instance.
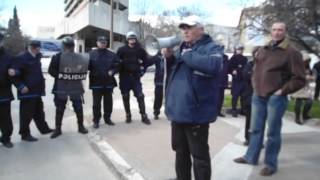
(111, 25)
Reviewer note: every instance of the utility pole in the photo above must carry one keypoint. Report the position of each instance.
(111, 24)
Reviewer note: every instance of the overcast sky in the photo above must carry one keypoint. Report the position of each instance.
(34, 13)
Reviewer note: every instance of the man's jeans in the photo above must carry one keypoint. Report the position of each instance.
(270, 109)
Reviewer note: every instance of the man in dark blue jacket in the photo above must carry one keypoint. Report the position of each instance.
(103, 65)
(6, 97)
(192, 98)
(29, 80)
(133, 64)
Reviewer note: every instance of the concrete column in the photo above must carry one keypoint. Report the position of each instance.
(79, 45)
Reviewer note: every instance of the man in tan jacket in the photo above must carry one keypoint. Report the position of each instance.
(278, 71)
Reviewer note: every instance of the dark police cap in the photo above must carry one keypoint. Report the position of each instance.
(35, 43)
(102, 39)
(68, 41)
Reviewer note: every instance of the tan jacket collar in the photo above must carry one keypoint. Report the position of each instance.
(283, 45)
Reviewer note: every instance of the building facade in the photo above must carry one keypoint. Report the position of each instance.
(87, 19)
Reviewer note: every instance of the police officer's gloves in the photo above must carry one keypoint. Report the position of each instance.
(110, 73)
(11, 72)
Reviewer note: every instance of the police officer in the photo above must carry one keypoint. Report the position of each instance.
(247, 95)
(29, 80)
(103, 65)
(133, 63)
(68, 69)
(223, 84)
(236, 65)
(159, 82)
(6, 97)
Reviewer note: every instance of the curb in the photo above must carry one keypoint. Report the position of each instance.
(112, 159)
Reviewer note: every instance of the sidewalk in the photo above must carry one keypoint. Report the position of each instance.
(144, 152)
(147, 150)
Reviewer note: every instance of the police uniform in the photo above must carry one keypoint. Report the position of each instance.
(6, 97)
(68, 69)
(247, 97)
(237, 63)
(103, 65)
(133, 63)
(223, 83)
(28, 74)
(159, 81)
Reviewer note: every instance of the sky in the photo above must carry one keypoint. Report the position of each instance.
(35, 13)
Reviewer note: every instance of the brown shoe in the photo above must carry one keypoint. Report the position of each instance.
(241, 160)
(266, 171)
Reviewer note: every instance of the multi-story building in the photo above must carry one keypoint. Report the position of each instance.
(249, 37)
(87, 19)
(45, 32)
(227, 36)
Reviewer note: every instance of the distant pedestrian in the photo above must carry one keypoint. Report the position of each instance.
(306, 94)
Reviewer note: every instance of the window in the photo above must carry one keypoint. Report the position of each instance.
(122, 7)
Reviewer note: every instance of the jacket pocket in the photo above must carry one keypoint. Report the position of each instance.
(202, 89)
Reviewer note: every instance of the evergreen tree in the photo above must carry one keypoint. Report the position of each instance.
(14, 41)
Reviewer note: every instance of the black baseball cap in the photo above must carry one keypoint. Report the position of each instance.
(35, 43)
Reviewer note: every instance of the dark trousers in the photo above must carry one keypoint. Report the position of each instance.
(191, 140)
(107, 104)
(306, 107)
(6, 126)
(237, 90)
(316, 95)
(60, 103)
(128, 83)
(220, 98)
(32, 108)
(247, 111)
(158, 97)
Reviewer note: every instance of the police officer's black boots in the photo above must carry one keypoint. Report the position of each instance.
(306, 109)
(108, 121)
(156, 113)
(126, 103)
(57, 132)
(145, 119)
(297, 113)
(142, 107)
(81, 128)
(6, 143)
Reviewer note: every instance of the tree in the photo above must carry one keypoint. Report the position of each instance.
(302, 18)
(14, 42)
(184, 11)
